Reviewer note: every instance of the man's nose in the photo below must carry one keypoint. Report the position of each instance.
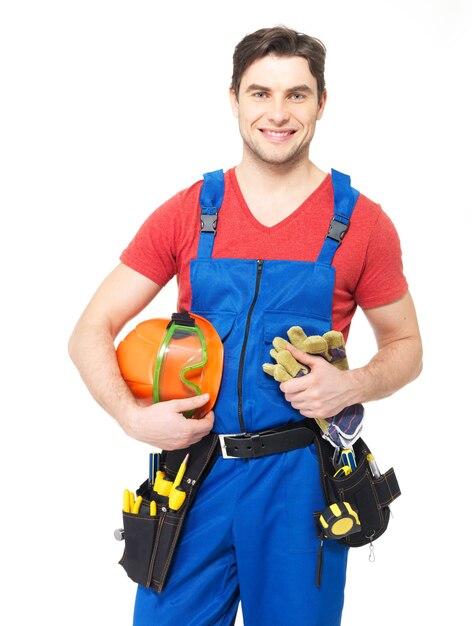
(278, 111)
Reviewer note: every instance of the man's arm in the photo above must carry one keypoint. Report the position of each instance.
(326, 390)
(121, 296)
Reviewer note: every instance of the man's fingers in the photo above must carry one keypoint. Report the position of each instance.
(301, 356)
(205, 423)
(199, 428)
(187, 404)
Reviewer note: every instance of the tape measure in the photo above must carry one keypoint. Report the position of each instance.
(339, 520)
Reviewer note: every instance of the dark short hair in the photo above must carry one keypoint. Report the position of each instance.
(280, 41)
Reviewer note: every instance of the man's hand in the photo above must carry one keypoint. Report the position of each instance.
(164, 426)
(323, 392)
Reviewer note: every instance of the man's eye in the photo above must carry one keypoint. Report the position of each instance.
(260, 94)
(297, 96)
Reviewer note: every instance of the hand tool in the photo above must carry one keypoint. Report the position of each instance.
(162, 486)
(176, 498)
(154, 462)
(137, 505)
(126, 499)
(374, 468)
(177, 495)
(345, 470)
(153, 508)
(348, 458)
(339, 520)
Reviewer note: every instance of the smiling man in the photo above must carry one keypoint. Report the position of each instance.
(277, 115)
(271, 258)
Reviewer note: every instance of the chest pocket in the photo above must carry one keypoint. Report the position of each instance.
(223, 321)
(276, 324)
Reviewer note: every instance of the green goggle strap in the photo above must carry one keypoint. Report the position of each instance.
(160, 358)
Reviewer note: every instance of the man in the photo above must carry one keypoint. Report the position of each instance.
(250, 534)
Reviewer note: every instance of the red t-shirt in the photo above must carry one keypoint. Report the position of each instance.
(368, 263)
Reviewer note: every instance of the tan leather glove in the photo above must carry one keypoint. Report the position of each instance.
(330, 346)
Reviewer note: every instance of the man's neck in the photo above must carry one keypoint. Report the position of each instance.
(273, 192)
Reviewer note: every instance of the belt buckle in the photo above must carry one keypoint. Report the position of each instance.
(224, 454)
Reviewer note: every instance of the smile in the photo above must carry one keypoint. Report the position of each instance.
(279, 135)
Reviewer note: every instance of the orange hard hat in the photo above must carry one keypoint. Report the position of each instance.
(164, 359)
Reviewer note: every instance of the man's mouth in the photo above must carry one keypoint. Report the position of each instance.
(278, 135)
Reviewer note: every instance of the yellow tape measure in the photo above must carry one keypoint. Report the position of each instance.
(339, 520)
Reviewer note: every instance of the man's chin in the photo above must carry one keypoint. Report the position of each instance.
(277, 159)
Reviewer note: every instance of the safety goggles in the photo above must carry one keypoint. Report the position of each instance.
(179, 364)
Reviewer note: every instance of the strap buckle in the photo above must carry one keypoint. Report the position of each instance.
(337, 228)
(208, 222)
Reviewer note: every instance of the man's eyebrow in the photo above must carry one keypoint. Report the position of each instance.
(304, 88)
(256, 87)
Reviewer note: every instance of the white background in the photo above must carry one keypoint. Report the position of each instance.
(110, 107)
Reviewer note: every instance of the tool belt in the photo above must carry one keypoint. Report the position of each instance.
(369, 496)
(151, 540)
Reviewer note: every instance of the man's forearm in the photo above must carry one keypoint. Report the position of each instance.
(393, 366)
(93, 352)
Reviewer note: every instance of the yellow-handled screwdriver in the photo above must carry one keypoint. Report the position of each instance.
(137, 505)
(126, 499)
(131, 501)
(374, 468)
(177, 495)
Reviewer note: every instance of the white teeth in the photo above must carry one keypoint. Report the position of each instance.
(273, 133)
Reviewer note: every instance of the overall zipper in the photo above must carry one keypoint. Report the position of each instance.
(244, 346)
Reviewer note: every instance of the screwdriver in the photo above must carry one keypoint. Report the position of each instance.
(126, 507)
(137, 505)
(177, 495)
(374, 468)
(348, 458)
(154, 462)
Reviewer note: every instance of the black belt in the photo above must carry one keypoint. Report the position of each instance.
(273, 441)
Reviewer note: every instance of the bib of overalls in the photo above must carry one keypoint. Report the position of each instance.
(251, 301)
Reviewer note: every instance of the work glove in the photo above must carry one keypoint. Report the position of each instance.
(345, 427)
(330, 346)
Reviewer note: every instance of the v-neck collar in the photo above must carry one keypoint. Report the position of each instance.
(285, 220)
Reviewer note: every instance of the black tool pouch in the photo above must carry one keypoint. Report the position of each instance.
(370, 496)
(150, 540)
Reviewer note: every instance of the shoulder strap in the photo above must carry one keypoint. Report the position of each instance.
(345, 198)
(211, 198)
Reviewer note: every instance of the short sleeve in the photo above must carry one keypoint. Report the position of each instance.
(151, 252)
(382, 280)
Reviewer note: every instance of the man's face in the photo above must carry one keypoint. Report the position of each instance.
(277, 109)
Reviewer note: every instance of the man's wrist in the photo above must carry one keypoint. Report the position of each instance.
(358, 385)
(127, 418)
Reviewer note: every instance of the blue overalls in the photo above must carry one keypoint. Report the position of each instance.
(250, 533)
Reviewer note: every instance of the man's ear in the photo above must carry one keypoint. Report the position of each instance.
(233, 98)
(321, 105)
